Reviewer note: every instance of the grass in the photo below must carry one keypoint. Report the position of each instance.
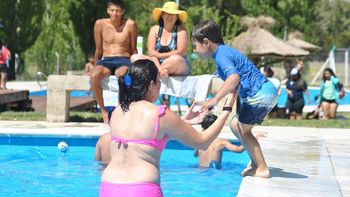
(41, 116)
(96, 117)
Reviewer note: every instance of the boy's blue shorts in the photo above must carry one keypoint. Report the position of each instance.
(252, 110)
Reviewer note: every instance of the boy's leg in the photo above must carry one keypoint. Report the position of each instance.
(258, 166)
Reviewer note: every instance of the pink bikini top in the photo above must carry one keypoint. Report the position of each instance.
(156, 143)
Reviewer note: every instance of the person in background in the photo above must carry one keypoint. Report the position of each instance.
(295, 88)
(5, 55)
(330, 93)
(89, 66)
(167, 41)
(268, 72)
(300, 66)
(136, 148)
(115, 40)
(212, 156)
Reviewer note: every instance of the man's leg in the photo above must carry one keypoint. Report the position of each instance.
(120, 71)
(98, 73)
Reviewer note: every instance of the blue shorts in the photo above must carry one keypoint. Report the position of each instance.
(113, 63)
(215, 164)
(252, 110)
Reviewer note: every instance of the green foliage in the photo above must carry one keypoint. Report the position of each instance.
(58, 36)
(21, 20)
(40, 28)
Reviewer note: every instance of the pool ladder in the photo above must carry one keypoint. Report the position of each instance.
(38, 76)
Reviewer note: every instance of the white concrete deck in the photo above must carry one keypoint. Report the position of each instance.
(303, 162)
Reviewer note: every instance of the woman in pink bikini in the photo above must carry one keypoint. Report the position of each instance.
(140, 130)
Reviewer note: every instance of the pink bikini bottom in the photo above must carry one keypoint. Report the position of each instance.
(132, 189)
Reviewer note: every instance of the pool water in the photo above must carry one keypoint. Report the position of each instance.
(41, 170)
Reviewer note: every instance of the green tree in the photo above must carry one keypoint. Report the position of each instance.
(333, 18)
(58, 37)
(22, 24)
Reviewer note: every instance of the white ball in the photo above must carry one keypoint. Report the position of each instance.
(62, 146)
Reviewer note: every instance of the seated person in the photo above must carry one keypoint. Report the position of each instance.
(167, 41)
(213, 155)
(89, 66)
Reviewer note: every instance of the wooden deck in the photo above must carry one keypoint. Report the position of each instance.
(76, 103)
(10, 96)
(17, 100)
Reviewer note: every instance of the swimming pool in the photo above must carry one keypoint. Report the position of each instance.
(33, 166)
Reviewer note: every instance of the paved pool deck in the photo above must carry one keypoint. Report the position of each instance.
(302, 161)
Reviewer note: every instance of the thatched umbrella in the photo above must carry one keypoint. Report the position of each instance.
(257, 42)
(296, 39)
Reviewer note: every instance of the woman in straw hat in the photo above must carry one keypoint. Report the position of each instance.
(167, 41)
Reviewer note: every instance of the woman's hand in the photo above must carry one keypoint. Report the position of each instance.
(209, 104)
(191, 117)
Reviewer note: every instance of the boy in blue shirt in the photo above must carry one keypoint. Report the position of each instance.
(257, 95)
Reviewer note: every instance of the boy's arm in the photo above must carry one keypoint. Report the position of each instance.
(231, 147)
(228, 86)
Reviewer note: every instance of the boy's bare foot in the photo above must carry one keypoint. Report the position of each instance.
(255, 172)
(249, 166)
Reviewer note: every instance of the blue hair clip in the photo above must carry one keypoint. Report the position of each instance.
(127, 80)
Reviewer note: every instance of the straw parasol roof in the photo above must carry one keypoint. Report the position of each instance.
(258, 42)
(296, 39)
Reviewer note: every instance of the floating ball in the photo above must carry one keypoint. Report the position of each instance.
(62, 146)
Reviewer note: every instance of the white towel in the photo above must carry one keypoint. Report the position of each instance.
(190, 87)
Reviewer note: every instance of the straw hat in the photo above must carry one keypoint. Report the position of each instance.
(169, 7)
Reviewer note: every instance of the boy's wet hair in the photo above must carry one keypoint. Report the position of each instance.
(134, 84)
(207, 29)
(119, 3)
(208, 121)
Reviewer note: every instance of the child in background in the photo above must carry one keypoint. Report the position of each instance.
(257, 94)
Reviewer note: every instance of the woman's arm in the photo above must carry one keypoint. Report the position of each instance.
(151, 41)
(177, 129)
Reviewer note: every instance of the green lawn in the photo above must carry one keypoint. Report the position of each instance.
(96, 117)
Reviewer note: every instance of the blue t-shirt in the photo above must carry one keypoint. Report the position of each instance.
(297, 88)
(229, 61)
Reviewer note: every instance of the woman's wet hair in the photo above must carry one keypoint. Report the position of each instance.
(134, 84)
(207, 29)
(324, 78)
(208, 121)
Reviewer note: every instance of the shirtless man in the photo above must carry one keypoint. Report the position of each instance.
(213, 155)
(115, 39)
(102, 150)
